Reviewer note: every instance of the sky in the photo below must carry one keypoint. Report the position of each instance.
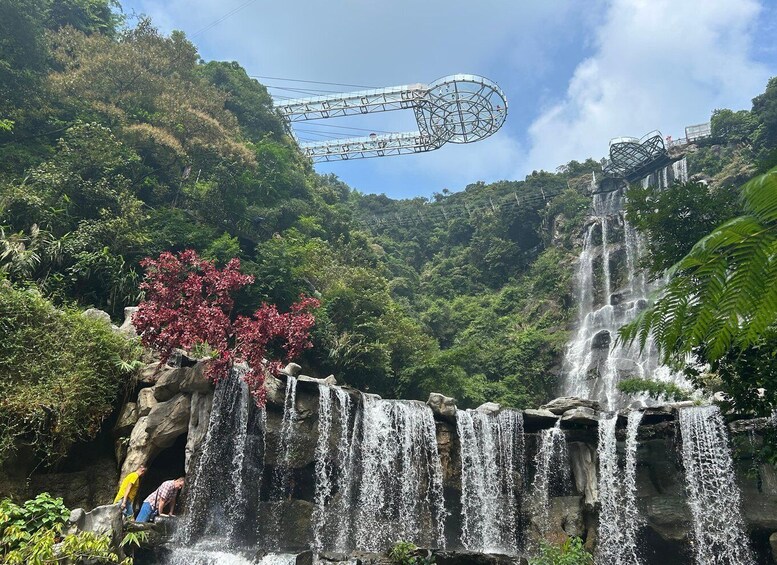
(576, 74)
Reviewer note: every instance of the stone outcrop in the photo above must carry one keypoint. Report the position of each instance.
(565, 403)
(127, 328)
(199, 418)
(103, 520)
(179, 402)
(489, 408)
(444, 407)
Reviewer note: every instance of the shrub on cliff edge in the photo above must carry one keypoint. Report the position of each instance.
(61, 374)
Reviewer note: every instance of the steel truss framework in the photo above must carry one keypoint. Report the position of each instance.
(632, 158)
(454, 109)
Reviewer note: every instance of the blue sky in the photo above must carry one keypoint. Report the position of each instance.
(575, 73)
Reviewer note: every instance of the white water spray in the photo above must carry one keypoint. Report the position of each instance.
(713, 495)
(491, 457)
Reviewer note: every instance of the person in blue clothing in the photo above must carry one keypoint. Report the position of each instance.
(160, 500)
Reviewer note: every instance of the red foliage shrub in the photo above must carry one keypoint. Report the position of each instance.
(189, 302)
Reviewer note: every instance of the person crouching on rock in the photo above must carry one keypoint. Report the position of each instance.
(125, 498)
(160, 500)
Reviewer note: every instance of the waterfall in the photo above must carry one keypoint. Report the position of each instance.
(232, 452)
(552, 473)
(713, 495)
(223, 485)
(281, 487)
(619, 519)
(491, 457)
(400, 493)
(331, 517)
(611, 291)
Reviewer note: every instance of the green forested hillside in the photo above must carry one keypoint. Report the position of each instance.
(118, 143)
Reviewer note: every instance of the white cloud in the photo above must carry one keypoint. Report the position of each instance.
(658, 64)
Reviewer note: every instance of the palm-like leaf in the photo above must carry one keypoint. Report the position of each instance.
(723, 294)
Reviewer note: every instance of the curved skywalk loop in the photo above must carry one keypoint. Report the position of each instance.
(454, 109)
(632, 158)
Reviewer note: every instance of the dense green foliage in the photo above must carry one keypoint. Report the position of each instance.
(62, 374)
(569, 552)
(676, 218)
(406, 553)
(126, 144)
(721, 302)
(119, 143)
(657, 390)
(29, 532)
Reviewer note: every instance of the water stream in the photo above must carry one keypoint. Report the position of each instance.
(713, 495)
(491, 479)
(611, 291)
(400, 494)
(552, 475)
(619, 519)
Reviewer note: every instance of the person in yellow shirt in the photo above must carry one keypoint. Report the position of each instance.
(128, 490)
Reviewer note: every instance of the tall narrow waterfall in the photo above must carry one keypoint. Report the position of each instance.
(552, 474)
(713, 495)
(619, 519)
(281, 486)
(611, 291)
(225, 482)
(400, 492)
(491, 461)
(334, 474)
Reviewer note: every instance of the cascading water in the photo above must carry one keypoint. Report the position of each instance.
(611, 292)
(331, 517)
(552, 473)
(619, 519)
(223, 484)
(281, 485)
(491, 459)
(400, 492)
(713, 495)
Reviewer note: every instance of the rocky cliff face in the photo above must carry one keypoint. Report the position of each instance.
(165, 426)
(661, 490)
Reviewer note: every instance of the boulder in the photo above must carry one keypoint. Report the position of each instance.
(330, 380)
(752, 425)
(103, 520)
(97, 314)
(565, 403)
(489, 408)
(275, 390)
(773, 544)
(580, 416)
(127, 327)
(168, 420)
(201, 405)
(150, 373)
(535, 420)
(128, 417)
(146, 402)
(292, 370)
(168, 383)
(668, 516)
(442, 406)
(193, 379)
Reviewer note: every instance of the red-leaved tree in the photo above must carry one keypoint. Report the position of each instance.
(189, 302)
